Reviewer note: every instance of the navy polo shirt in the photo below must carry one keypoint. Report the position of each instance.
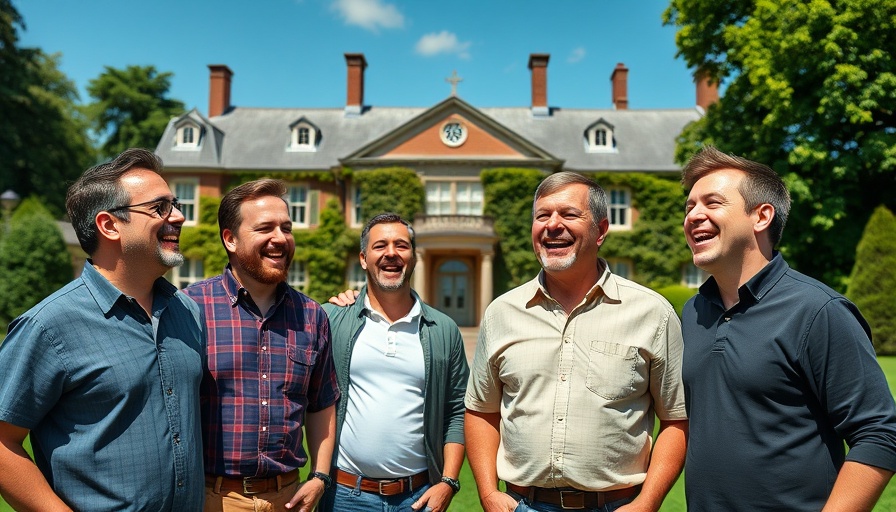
(774, 387)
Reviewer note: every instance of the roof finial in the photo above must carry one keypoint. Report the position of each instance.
(454, 80)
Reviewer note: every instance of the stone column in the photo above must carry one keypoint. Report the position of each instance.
(420, 277)
(486, 287)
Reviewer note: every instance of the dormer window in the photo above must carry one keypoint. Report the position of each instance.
(188, 136)
(303, 137)
(599, 138)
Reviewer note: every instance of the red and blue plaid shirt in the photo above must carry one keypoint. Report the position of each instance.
(263, 375)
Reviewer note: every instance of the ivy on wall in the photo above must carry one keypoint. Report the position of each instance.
(326, 252)
(390, 189)
(202, 241)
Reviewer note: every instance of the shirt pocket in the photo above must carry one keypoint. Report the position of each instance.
(299, 365)
(612, 370)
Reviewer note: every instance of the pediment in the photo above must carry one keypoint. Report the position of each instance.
(451, 130)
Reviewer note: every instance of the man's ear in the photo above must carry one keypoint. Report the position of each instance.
(764, 215)
(107, 225)
(603, 228)
(229, 240)
(363, 260)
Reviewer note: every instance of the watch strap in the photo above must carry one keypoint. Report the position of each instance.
(327, 479)
(454, 484)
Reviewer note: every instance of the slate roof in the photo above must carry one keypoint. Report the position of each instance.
(258, 138)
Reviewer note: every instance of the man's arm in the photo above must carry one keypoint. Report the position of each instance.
(858, 487)
(22, 484)
(439, 496)
(666, 462)
(320, 429)
(483, 435)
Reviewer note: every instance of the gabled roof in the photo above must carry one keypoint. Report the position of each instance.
(257, 138)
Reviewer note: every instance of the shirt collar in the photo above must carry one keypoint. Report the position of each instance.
(235, 290)
(106, 294)
(416, 310)
(606, 287)
(757, 287)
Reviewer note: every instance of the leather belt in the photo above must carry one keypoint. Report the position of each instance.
(251, 485)
(573, 499)
(383, 486)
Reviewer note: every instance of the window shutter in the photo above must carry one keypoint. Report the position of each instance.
(314, 207)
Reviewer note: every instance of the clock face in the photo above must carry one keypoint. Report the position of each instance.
(453, 133)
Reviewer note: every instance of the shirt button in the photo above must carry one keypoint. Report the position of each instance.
(264, 429)
(180, 483)
(264, 347)
(566, 339)
(176, 438)
(560, 419)
(169, 391)
(264, 402)
(264, 376)
(563, 378)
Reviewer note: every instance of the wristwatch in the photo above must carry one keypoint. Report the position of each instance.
(454, 484)
(327, 480)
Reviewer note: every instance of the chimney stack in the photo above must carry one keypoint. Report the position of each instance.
(219, 89)
(538, 63)
(707, 90)
(354, 102)
(620, 87)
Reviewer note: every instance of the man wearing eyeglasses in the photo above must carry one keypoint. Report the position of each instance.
(270, 366)
(104, 373)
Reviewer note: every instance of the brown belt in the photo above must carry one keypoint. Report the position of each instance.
(572, 499)
(384, 486)
(251, 485)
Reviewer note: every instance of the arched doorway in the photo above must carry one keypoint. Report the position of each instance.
(454, 294)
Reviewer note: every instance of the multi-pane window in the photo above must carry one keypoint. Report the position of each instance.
(600, 139)
(298, 276)
(304, 136)
(356, 205)
(190, 272)
(619, 207)
(186, 192)
(454, 198)
(297, 196)
(187, 136)
(356, 276)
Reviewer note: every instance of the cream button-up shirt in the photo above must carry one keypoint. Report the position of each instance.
(578, 394)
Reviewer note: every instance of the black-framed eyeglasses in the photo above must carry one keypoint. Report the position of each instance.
(161, 207)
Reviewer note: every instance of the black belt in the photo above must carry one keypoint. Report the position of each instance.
(251, 485)
(573, 499)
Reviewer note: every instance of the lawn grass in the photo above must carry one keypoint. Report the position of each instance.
(468, 499)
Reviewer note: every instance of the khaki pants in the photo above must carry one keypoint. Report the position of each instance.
(229, 501)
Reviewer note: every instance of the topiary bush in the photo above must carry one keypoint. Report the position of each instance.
(872, 284)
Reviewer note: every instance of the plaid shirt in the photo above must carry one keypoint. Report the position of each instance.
(264, 374)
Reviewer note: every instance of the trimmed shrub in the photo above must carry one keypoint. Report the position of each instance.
(872, 284)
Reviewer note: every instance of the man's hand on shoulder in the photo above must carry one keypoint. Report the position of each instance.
(346, 298)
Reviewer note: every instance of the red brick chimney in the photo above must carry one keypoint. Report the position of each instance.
(354, 102)
(620, 87)
(219, 89)
(707, 90)
(538, 63)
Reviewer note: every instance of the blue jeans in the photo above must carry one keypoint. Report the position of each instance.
(346, 499)
(526, 506)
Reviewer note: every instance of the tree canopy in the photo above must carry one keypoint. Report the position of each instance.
(45, 145)
(131, 107)
(810, 89)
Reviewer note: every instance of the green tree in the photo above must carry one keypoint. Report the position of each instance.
(45, 144)
(390, 189)
(34, 261)
(811, 91)
(325, 252)
(872, 284)
(131, 107)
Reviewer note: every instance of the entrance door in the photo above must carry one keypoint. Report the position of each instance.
(454, 294)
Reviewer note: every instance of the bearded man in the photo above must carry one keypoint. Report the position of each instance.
(270, 365)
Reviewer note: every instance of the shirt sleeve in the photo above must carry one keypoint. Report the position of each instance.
(484, 387)
(459, 374)
(323, 389)
(850, 385)
(666, 386)
(33, 373)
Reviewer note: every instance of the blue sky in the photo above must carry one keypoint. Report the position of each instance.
(289, 53)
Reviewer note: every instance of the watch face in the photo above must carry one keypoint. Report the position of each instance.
(453, 133)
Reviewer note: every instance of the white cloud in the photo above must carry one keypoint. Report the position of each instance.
(576, 55)
(369, 14)
(442, 42)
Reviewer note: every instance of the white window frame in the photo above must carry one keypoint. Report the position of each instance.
(295, 138)
(355, 198)
(355, 276)
(692, 276)
(189, 206)
(297, 205)
(621, 267)
(192, 271)
(298, 275)
(600, 139)
(453, 195)
(617, 208)
(181, 138)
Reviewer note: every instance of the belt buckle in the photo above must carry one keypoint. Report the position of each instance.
(248, 484)
(577, 500)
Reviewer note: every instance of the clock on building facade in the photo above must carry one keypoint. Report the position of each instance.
(453, 133)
